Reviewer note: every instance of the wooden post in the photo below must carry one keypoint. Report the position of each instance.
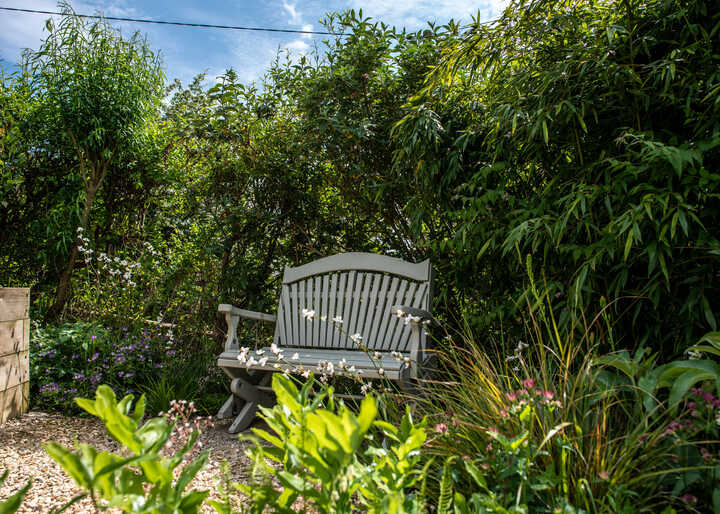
(14, 351)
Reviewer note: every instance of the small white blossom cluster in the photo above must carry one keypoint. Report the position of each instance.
(84, 244)
(400, 357)
(517, 354)
(325, 368)
(409, 318)
(117, 268)
(152, 251)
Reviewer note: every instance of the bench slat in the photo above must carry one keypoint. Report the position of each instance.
(402, 332)
(324, 309)
(379, 341)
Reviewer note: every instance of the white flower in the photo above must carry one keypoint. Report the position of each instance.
(520, 347)
(377, 356)
(366, 387)
(296, 356)
(342, 365)
(381, 372)
(323, 318)
(337, 319)
(308, 314)
(399, 313)
(259, 352)
(406, 360)
(80, 229)
(396, 355)
(306, 373)
(356, 338)
(262, 362)
(250, 362)
(274, 348)
(277, 365)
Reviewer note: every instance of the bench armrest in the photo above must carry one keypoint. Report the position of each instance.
(242, 313)
(232, 317)
(403, 311)
(416, 318)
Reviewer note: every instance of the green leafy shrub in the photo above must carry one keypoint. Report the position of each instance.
(142, 479)
(332, 459)
(12, 504)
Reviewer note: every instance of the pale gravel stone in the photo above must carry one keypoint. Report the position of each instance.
(22, 453)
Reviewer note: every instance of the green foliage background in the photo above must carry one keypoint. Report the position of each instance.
(583, 134)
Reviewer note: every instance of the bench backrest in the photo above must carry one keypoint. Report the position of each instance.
(359, 287)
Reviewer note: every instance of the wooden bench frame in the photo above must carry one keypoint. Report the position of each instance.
(382, 299)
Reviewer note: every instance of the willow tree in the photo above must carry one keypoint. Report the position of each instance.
(98, 90)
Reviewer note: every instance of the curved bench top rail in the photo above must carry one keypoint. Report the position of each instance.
(360, 261)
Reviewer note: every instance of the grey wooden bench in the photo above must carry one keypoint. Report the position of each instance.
(384, 300)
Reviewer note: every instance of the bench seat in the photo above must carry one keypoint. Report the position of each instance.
(309, 358)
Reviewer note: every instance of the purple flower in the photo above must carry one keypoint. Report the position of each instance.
(94, 356)
(79, 376)
(93, 337)
(49, 388)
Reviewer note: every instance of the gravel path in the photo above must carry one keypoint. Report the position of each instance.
(22, 453)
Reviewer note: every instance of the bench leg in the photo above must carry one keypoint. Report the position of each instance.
(226, 411)
(250, 397)
(245, 418)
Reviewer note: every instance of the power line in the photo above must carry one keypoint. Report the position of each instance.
(179, 23)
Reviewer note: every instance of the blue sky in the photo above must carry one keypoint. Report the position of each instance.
(188, 51)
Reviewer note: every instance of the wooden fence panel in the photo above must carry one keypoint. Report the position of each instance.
(14, 351)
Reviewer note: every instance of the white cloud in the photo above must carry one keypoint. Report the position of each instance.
(414, 14)
(307, 28)
(295, 16)
(298, 46)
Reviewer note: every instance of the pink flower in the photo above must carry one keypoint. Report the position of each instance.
(688, 498)
(511, 396)
(706, 455)
(548, 395)
(503, 413)
(528, 383)
(708, 397)
(691, 405)
(441, 428)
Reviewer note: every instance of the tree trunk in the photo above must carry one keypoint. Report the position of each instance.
(63, 287)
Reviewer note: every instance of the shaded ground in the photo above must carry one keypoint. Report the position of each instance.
(21, 452)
